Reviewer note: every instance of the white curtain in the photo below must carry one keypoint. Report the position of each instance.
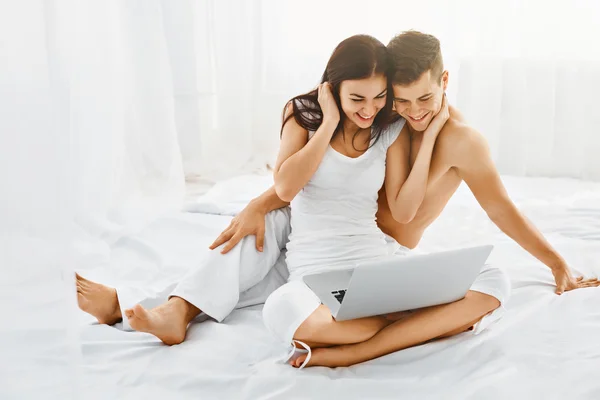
(105, 107)
(226, 117)
(118, 99)
(524, 72)
(90, 152)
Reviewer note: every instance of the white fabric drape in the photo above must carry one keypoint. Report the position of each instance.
(34, 215)
(522, 71)
(226, 120)
(89, 153)
(105, 106)
(121, 112)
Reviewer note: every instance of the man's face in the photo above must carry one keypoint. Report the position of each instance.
(420, 101)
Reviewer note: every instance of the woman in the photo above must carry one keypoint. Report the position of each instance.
(333, 187)
(350, 114)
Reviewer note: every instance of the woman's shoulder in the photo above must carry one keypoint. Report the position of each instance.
(392, 131)
(300, 114)
(396, 125)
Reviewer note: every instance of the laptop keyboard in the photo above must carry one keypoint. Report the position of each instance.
(339, 295)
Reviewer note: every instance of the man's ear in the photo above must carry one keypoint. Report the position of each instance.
(445, 80)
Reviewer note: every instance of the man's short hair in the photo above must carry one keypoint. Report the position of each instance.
(414, 53)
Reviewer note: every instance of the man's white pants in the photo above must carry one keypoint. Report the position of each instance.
(224, 282)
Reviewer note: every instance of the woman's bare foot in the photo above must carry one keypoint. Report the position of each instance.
(345, 355)
(98, 300)
(168, 322)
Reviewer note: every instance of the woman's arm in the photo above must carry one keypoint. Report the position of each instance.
(268, 201)
(405, 191)
(299, 158)
(296, 154)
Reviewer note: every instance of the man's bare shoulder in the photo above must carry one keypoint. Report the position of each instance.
(458, 139)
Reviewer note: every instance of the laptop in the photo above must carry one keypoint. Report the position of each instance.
(399, 283)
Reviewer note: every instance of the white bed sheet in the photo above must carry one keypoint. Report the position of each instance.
(547, 346)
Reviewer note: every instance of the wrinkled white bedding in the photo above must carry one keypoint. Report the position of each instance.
(545, 347)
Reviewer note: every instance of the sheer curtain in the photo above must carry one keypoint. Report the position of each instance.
(227, 119)
(522, 71)
(106, 107)
(89, 153)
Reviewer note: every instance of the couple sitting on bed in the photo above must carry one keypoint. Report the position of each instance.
(367, 161)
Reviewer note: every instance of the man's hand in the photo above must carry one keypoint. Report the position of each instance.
(565, 280)
(250, 221)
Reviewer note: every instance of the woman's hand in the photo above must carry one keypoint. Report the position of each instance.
(327, 102)
(438, 122)
(250, 221)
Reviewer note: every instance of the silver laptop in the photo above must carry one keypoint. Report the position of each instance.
(398, 283)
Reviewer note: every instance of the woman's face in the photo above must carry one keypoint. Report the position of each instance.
(362, 99)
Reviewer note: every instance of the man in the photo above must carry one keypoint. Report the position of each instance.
(461, 154)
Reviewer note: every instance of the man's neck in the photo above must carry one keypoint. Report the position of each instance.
(414, 133)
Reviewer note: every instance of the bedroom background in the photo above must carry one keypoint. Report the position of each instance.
(110, 109)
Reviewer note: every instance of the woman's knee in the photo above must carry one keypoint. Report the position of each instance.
(316, 322)
(287, 308)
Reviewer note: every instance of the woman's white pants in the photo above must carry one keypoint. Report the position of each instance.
(223, 282)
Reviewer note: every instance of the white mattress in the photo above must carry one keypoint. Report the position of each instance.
(545, 347)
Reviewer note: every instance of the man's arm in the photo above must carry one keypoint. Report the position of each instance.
(250, 221)
(476, 168)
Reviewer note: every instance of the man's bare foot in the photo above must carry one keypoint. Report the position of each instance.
(168, 322)
(331, 357)
(98, 300)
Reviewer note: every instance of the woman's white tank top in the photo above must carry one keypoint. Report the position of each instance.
(333, 216)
